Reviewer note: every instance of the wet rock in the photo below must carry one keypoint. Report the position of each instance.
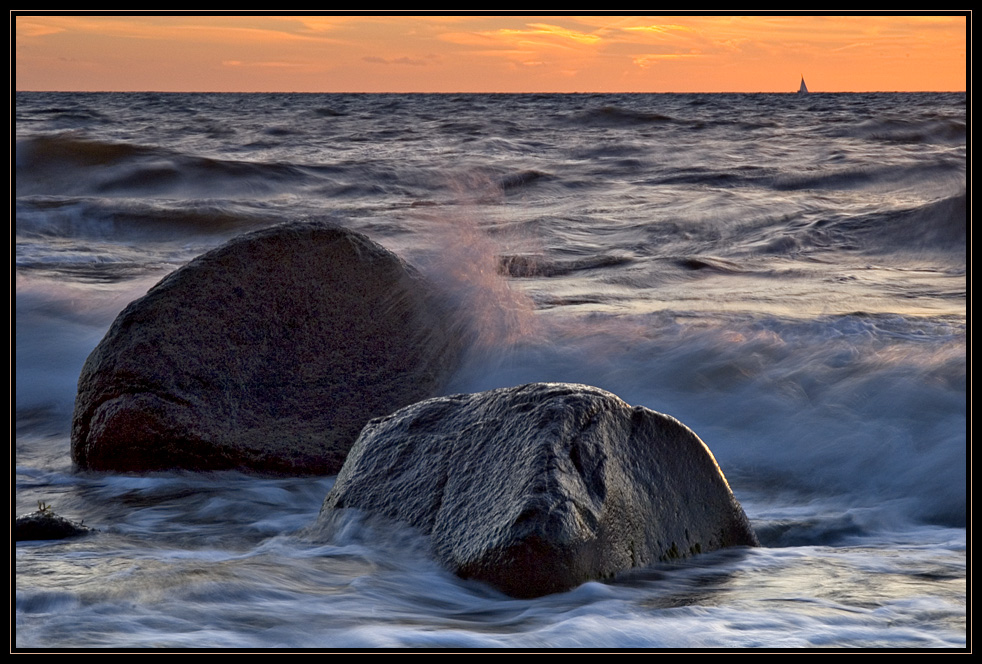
(267, 354)
(536, 489)
(46, 525)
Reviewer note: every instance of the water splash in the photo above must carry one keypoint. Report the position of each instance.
(462, 259)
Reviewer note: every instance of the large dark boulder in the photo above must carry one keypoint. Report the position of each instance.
(269, 354)
(536, 489)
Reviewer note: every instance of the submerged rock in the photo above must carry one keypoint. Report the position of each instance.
(46, 525)
(269, 354)
(536, 489)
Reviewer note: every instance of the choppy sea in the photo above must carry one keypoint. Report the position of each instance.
(785, 274)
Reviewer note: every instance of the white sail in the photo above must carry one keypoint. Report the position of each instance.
(803, 89)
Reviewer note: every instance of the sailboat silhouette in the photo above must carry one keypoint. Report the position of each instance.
(803, 90)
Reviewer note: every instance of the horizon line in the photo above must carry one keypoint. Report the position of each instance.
(498, 92)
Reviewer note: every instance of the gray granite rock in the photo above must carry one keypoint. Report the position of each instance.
(267, 354)
(536, 489)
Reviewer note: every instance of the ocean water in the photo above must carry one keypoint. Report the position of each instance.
(784, 274)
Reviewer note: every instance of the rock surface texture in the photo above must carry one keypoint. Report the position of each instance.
(268, 354)
(536, 489)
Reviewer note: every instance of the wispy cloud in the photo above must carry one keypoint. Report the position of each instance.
(415, 62)
(266, 64)
(646, 60)
(531, 36)
(32, 29)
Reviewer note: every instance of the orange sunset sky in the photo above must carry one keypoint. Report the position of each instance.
(489, 53)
